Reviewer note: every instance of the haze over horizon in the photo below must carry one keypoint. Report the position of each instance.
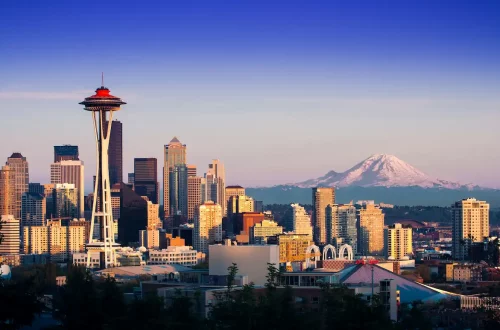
(279, 93)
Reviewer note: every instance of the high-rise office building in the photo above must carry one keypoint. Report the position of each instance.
(65, 152)
(34, 209)
(72, 172)
(178, 189)
(115, 153)
(341, 225)
(37, 188)
(7, 191)
(131, 178)
(471, 223)
(321, 198)
(191, 170)
(194, 196)
(216, 184)
(398, 241)
(174, 154)
(371, 231)
(233, 191)
(10, 233)
(239, 204)
(146, 178)
(207, 226)
(301, 222)
(19, 165)
(48, 192)
(65, 199)
(133, 215)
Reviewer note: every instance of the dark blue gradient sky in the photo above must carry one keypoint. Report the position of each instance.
(280, 91)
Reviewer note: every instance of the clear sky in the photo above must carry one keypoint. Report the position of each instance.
(280, 91)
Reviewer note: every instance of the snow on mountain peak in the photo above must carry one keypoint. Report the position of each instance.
(379, 170)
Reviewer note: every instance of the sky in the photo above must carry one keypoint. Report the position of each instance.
(280, 91)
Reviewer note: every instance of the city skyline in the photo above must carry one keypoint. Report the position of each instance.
(396, 78)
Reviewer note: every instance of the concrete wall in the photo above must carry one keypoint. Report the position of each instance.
(251, 260)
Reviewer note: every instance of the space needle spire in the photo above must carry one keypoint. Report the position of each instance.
(102, 105)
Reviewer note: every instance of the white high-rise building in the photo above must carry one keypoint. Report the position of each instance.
(11, 239)
(301, 222)
(19, 165)
(207, 226)
(471, 223)
(70, 171)
(398, 241)
(216, 184)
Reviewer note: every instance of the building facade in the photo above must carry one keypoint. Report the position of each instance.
(321, 198)
(398, 241)
(174, 154)
(10, 232)
(115, 153)
(301, 222)
(146, 178)
(341, 226)
(33, 210)
(65, 152)
(260, 232)
(194, 196)
(207, 226)
(178, 255)
(471, 223)
(72, 172)
(19, 165)
(216, 184)
(239, 204)
(65, 200)
(7, 191)
(371, 231)
(292, 247)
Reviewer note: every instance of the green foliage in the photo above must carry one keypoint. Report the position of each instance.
(19, 303)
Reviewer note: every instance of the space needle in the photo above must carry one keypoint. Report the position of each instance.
(102, 105)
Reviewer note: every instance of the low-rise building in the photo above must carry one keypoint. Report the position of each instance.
(180, 255)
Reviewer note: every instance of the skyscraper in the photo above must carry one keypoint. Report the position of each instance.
(207, 226)
(11, 235)
(321, 198)
(398, 241)
(174, 154)
(65, 152)
(146, 178)
(216, 184)
(65, 198)
(371, 231)
(233, 191)
(34, 209)
(471, 223)
(115, 153)
(301, 222)
(19, 165)
(35, 187)
(341, 225)
(239, 204)
(133, 215)
(194, 196)
(7, 191)
(191, 170)
(178, 187)
(70, 171)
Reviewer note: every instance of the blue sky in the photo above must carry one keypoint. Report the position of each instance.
(279, 91)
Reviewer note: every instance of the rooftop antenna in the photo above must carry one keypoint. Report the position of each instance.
(102, 79)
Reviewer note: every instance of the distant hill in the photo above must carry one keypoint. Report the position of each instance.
(411, 196)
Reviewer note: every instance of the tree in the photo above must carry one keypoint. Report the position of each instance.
(19, 303)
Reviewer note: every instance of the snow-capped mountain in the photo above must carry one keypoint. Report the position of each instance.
(380, 171)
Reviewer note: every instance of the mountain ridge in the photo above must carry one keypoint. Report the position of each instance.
(381, 170)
